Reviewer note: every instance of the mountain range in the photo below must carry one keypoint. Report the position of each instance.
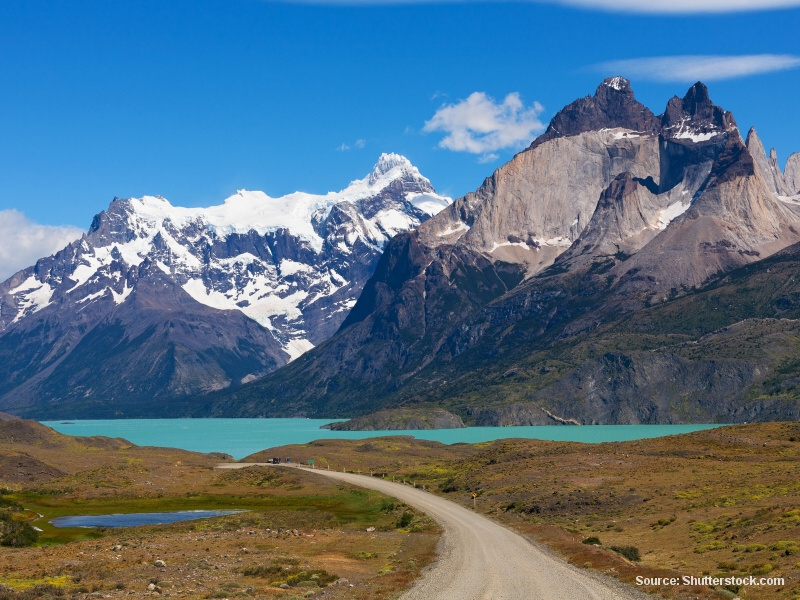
(626, 267)
(157, 303)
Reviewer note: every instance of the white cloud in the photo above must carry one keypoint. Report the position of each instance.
(480, 125)
(23, 242)
(360, 143)
(625, 6)
(343, 148)
(487, 158)
(705, 68)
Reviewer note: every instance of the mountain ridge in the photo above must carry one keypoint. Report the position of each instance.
(684, 183)
(171, 301)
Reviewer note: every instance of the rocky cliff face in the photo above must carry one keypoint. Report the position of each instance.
(157, 303)
(612, 211)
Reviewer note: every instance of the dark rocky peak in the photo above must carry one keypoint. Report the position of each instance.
(695, 117)
(613, 105)
(112, 225)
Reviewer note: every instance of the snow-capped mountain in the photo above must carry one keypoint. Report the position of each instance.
(293, 265)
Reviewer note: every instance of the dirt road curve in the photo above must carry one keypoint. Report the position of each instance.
(482, 560)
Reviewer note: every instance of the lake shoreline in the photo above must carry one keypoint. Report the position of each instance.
(242, 437)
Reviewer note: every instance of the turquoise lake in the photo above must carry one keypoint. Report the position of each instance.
(241, 437)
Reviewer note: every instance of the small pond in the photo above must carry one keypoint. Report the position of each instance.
(136, 519)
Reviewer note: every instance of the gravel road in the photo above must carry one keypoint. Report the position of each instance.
(478, 559)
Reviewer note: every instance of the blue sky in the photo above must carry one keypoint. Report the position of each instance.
(195, 99)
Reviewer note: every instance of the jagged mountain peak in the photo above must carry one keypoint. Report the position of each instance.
(617, 83)
(695, 117)
(391, 167)
(779, 183)
(612, 106)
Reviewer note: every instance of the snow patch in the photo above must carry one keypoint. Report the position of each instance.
(243, 259)
(32, 296)
(290, 267)
(121, 297)
(90, 297)
(429, 202)
(618, 83)
(261, 305)
(696, 137)
(555, 242)
(666, 215)
(495, 246)
(684, 132)
(461, 227)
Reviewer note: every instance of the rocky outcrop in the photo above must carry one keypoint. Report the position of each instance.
(632, 388)
(792, 173)
(628, 215)
(768, 165)
(516, 414)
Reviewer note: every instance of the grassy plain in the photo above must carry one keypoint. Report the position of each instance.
(722, 502)
(299, 529)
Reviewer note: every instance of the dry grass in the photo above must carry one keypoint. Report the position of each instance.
(295, 523)
(720, 502)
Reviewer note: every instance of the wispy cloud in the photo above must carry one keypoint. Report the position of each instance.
(625, 6)
(694, 68)
(358, 144)
(481, 125)
(23, 242)
(488, 158)
(680, 6)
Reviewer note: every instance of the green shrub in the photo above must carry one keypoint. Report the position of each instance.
(262, 571)
(16, 534)
(405, 520)
(449, 486)
(788, 547)
(761, 569)
(593, 540)
(629, 552)
(320, 577)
